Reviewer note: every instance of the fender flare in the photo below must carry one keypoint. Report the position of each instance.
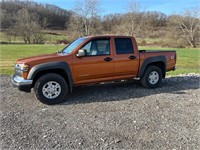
(52, 65)
(153, 60)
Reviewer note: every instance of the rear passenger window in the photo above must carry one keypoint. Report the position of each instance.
(124, 45)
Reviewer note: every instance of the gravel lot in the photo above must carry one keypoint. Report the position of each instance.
(121, 115)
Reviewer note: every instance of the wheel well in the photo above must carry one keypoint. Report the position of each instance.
(61, 72)
(159, 64)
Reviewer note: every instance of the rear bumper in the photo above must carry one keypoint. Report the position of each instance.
(21, 83)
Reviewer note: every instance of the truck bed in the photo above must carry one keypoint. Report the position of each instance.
(169, 54)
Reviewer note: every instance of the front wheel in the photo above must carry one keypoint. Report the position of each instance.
(152, 77)
(51, 89)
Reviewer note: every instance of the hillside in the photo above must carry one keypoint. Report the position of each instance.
(34, 23)
(49, 16)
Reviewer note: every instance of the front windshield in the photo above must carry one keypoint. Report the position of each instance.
(73, 45)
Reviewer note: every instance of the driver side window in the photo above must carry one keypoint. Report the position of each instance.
(97, 47)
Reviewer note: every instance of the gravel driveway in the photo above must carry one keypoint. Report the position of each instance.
(120, 115)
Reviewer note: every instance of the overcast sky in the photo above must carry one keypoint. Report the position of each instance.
(120, 6)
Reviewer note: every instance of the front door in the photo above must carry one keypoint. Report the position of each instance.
(97, 65)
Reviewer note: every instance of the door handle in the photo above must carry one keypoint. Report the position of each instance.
(108, 59)
(132, 57)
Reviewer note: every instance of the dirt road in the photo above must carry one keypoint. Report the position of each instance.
(121, 115)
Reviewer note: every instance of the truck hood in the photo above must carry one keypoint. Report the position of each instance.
(40, 59)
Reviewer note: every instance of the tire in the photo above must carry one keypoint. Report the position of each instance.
(152, 77)
(51, 89)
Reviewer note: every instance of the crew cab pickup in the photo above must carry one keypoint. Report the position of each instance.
(91, 59)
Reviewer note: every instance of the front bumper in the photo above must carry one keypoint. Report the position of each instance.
(21, 83)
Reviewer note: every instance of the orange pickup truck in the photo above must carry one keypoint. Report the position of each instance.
(87, 60)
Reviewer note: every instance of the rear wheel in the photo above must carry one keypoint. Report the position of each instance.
(51, 89)
(152, 77)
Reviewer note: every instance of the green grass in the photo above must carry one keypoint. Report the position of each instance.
(10, 53)
(188, 59)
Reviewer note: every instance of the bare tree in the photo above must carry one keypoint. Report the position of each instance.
(111, 20)
(10, 35)
(189, 24)
(134, 18)
(87, 10)
(131, 21)
(75, 24)
(27, 25)
(153, 24)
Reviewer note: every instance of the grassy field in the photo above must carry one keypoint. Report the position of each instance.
(10, 53)
(188, 59)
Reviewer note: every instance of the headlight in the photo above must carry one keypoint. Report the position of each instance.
(22, 67)
(21, 70)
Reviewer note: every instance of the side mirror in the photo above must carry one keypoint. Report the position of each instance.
(81, 53)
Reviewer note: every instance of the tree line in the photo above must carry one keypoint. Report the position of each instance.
(27, 19)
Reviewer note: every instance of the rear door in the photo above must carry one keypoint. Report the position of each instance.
(126, 58)
(97, 65)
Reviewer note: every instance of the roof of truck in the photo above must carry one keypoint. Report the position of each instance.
(101, 36)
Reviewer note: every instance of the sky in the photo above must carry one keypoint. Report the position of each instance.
(120, 6)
